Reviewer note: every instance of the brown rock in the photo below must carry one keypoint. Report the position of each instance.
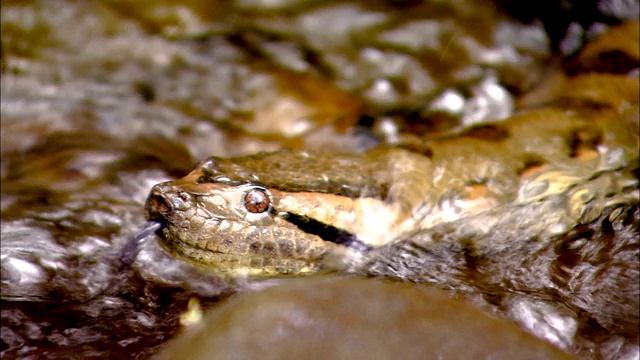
(348, 318)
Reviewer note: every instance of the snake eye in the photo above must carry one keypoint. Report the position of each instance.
(256, 201)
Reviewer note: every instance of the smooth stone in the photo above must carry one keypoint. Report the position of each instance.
(350, 318)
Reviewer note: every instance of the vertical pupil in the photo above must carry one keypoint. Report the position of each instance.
(256, 201)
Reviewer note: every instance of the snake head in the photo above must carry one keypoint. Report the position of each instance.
(232, 229)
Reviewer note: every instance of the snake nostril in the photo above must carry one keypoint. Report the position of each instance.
(157, 206)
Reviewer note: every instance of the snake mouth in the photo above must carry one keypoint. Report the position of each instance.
(131, 248)
(152, 227)
(326, 232)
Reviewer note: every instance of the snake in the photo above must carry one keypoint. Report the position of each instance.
(290, 213)
(542, 204)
